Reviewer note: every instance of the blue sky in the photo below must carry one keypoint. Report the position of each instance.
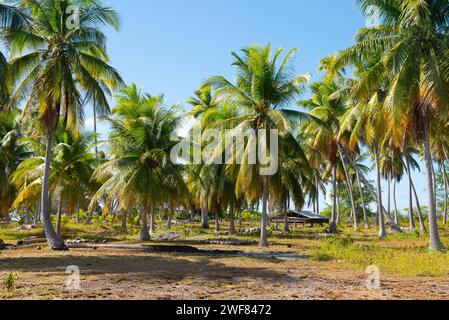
(171, 46)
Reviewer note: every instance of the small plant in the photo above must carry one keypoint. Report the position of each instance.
(10, 281)
(320, 257)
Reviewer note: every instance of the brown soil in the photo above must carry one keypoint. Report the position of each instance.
(121, 274)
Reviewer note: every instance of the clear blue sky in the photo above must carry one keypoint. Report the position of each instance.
(171, 46)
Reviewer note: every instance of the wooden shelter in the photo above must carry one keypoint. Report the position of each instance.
(304, 218)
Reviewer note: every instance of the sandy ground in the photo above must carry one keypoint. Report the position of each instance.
(117, 274)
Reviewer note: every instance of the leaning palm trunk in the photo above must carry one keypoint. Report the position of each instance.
(144, 233)
(333, 222)
(410, 198)
(393, 226)
(351, 190)
(264, 219)
(382, 231)
(54, 241)
(365, 213)
(435, 242)
(422, 224)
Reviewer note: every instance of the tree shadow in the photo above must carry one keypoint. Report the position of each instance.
(174, 267)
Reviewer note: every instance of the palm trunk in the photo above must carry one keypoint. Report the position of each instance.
(144, 233)
(393, 226)
(338, 205)
(192, 215)
(264, 219)
(124, 228)
(285, 213)
(94, 109)
(396, 212)
(435, 242)
(410, 199)
(389, 195)
(152, 221)
(333, 222)
(204, 217)
(90, 215)
(232, 219)
(365, 213)
(422, 224)
(317, 194)
(37, 216)
(382, 231)
(350, 188)
(217, 223)
(59, 217)
(54, 241)
(446, 204)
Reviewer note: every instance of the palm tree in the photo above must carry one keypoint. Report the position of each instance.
(324, 135)
(53, 65)
(72, 165)
(412, 40)
(140, 172)
(263, 89)
(12, 152)
(11, 18)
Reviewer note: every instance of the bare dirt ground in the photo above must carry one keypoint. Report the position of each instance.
(117, 274)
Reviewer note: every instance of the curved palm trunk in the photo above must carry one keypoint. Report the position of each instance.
(144, 233)
(263, 243)
(422, 224)
(351, 190)
(394, 227)
(365, 213)
(333, 222)
(435, 241)
(410, 199)
(54, 241)
(382, 231)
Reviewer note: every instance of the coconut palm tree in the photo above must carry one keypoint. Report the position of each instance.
(141, 172)
(12, 152)
(72, 165)
(265, 86)
(412, 41)
(325, 137)
(56, 60)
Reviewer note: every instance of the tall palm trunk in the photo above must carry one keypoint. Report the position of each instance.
(264, 219)
(422, 224)
(317, 194)
(55, 242)
(396, 212)
(410, 195)
(446, 191)
(59, 217)
(435, 242)
(333, 222)
(217, 223)
(337, 221)
(389, 194)
(365, 213)
(285, 213)
(144, 233)
(382, 231)
(94, 109)
(351, 190)
(37, 216)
